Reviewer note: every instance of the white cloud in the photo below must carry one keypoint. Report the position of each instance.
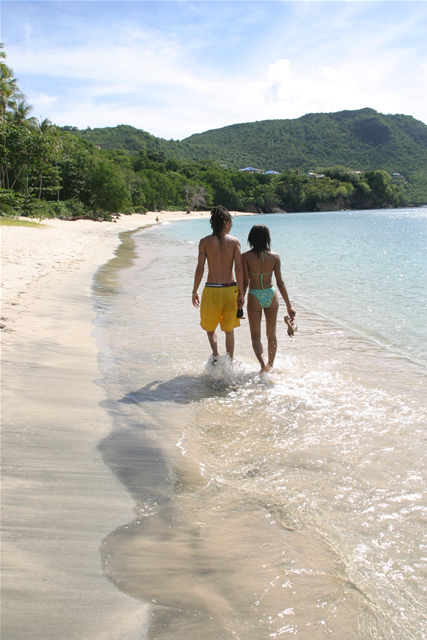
(292, 90)
(185, 102)
(43, 101)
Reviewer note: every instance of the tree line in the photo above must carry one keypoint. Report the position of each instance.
(47, 171)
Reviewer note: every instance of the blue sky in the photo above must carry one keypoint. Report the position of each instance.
(177, 68)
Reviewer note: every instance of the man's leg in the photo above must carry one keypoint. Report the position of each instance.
(229, 343)
(213, 341)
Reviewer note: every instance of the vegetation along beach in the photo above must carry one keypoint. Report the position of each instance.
(148, 494)
(358, 159)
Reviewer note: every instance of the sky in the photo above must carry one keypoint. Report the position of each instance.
(179, 68)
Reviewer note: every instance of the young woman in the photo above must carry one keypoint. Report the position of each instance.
(259, 265)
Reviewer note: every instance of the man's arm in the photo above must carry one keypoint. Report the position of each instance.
(198, 275)
(238, 269)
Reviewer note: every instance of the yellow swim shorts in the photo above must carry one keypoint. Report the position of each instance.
(219, 305)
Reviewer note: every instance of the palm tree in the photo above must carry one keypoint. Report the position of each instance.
(9, 94)
(9, 91)
(2, 55)
(44, 126)
(20, 114)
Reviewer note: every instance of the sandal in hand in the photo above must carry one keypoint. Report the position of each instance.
(292, 327)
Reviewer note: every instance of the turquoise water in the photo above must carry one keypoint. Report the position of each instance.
(364, 269)
(288, 504)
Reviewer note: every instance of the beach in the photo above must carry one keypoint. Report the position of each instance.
(149, 494)
(58, 498)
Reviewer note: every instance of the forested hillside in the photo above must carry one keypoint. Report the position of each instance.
(362, 140)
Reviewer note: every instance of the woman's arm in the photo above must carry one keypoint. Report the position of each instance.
(245, 274)
(282, 288)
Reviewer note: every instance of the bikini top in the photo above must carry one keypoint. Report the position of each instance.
(261, 275)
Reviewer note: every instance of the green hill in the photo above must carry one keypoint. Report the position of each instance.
(361, 140)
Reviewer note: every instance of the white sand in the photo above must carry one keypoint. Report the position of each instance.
(59, 500)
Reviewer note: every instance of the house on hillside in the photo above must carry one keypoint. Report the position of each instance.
(251, 170)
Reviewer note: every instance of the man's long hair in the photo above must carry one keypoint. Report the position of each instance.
(219, 217)
(259, 238)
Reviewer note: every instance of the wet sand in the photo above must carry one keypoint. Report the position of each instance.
(59, 500)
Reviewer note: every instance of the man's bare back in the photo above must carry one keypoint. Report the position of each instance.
(220, 254)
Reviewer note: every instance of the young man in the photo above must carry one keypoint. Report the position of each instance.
(223, 294)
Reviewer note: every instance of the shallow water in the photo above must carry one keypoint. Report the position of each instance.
(293, 503)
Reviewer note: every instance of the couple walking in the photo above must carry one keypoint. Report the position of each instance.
(223, 296)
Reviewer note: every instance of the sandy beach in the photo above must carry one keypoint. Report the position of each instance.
(110, 531)
(59, 500)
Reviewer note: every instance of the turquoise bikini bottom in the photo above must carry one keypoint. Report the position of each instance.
(264, 296)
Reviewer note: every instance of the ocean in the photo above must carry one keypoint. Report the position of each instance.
(288, 504)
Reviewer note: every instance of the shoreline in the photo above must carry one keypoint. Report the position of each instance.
(59, 499)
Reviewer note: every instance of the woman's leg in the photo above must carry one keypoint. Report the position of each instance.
(255, 315)
(271, 322)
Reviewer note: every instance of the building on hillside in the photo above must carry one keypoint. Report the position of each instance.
(252, 170)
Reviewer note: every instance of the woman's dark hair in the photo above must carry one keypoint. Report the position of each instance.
(219, 217)
(259, 238)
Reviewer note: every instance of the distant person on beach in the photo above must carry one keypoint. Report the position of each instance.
(223, 291)
(259, 265)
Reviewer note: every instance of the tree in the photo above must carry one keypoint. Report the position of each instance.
(9, 91)
(222, 187)
(160, 190)
(195, 196)
(18, 152)
(51, 142)
(107, 191)
(9, 94)
(290, 190)
(20, 114)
